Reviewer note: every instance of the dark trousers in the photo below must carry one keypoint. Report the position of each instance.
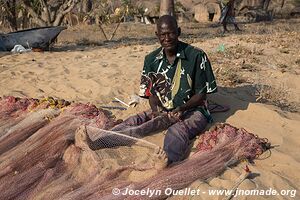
(180, 135)
(177, 140)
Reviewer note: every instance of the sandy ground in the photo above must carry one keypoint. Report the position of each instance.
(258, 76)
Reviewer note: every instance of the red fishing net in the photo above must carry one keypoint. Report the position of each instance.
(218, 148)
(42, 154)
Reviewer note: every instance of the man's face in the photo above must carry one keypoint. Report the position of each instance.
(167, 34)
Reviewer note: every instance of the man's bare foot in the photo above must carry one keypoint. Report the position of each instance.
(81, 138)
(161, 159)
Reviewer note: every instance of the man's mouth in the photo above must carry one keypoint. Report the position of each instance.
(168, 44)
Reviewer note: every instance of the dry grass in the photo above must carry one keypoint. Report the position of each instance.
(130, 32)
(229, 77)
(278, 96)
(239, 51)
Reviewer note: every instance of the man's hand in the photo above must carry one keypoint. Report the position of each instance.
(155, 114)
(176, 113)
(155, 106)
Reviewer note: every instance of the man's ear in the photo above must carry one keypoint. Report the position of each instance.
(156, 33)
(179, 31)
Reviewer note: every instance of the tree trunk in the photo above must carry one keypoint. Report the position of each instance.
(167, 8)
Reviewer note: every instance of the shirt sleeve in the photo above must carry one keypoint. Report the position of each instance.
(146, 83)
(204, 81)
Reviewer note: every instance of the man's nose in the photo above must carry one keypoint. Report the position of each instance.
(167, 37)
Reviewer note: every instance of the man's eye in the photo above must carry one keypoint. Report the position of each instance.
(169, 34)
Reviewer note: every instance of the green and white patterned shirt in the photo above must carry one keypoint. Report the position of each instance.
(176, 83)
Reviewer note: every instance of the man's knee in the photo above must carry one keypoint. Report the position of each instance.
(176, 144)
(176, 134)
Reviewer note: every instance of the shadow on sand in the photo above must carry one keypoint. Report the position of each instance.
(237, 98)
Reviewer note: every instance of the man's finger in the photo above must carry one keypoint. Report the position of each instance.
(158, 150)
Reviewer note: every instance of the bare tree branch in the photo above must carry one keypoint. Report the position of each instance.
(7, 8)
(33, 13)
(116, 28)
(103, 32)
(64, 9)
(45, 9)
(69, 6)
(10, 8)
(52, 12)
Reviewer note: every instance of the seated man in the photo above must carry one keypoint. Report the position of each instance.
(176, 78)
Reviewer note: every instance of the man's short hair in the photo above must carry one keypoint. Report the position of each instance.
(166, 19)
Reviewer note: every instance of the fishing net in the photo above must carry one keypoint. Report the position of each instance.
(44, 153)
(128, 132)
(219, 148)
(37, 139)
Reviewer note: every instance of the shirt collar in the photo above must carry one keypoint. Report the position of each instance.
(180, 52)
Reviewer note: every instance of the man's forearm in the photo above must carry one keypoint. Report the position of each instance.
(154, 103)
(196, 100)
